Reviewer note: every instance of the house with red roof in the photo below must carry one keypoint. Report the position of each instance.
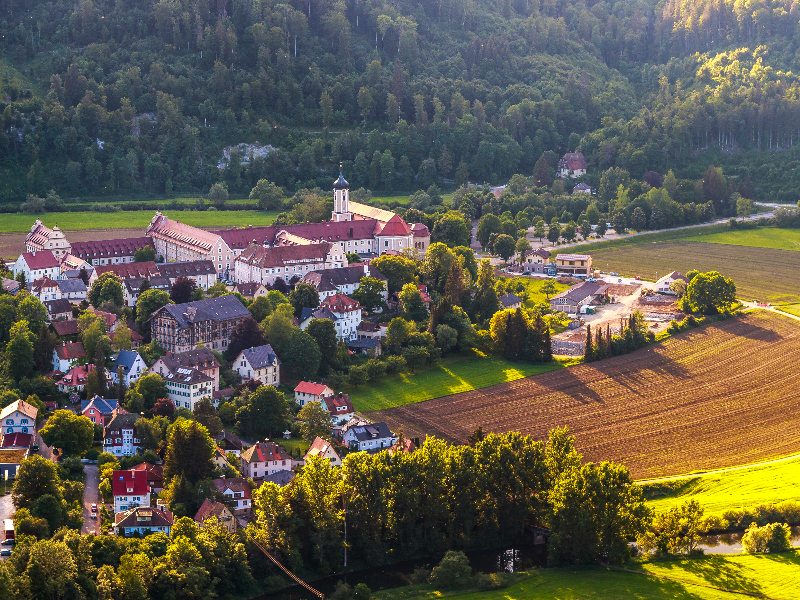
(36, 265)
(264, 265)
(217, 510)
(237, 494)
(307, 391)
(422, 237)
(155, 476)
(45, 289)
(572, 164)
(130, 489)
(143, 520)
(324, 450)
(67, 355)
(75, 379)
(347, 312)
(41, 238)
(340, 407)
(265, 458)
(16, 440)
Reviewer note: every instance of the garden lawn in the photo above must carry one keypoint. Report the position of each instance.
(292, 445)
(580, 583)
(723, 490)
(763, 237)
(18, 222)
(453, 374)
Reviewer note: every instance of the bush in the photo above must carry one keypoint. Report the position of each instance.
(421, 575)
(361, 592)
(775, 537)
(486, 581)
(453, 571)
(395, 364)
(342, 591)
(104, 208)
(92, 454)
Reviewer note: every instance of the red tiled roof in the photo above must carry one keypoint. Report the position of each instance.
(42, 259)
(39, 234)
(144, 516)
(339, 404)
(334, 231)
(70, 351)
(279, 256)
(241, 238)
(76, 375)
(125, 483)
(407, 446)
(574, 160)
(339, 303)
(210, 508)
(65, 327)
(20, 440)
(420, 230)
(109, 248)
(236, 484)
(42, 283)
(307, 387)
(138, 270)
(319, 448)
(264, 451)
(185, 235)
(395, 226)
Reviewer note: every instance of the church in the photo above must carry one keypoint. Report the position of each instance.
(353, 228)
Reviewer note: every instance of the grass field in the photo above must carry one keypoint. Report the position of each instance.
(792, 309)
(720, 395)
(453, 374)
(763, 237)
(762, 274)
(17, 222)
(720, 491)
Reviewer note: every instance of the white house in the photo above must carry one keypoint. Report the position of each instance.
(142, 521)
(67, 356)
(133, 367)
(324, 450)
(265, 458)
(372, 437)
(345, 280)
(342, 310)
(36, 265)
(45, 289)
(306, 392)
(120, 436)
(72, 289)
(130, 489)
(186, 387)
(237, 494)
(663, 284)
(18, 417)
(260, 364)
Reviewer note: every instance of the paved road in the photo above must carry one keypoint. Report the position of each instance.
(91, 494)
(6, 508)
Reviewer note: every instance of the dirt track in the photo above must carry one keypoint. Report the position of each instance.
(713, 397)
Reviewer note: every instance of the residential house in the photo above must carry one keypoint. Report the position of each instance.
(355, 421)
(58, 310)
(237, 494)
(120, 437)
(574, 264)
(110, 252)
(74, 290)
(264, 458)
(132, 365)
(307, 391)
(131, 288)
(202, 272)
(228, 442)
(18, 417)
(67, 356)
(259, 364)
(180, 327)
(99, 410)
(10, 460)
(369, 346)
(573, 299)
(186, 387)
(74, 380)
(45, 289)
(369, 330)
(339, 406)
(510, 301)
(41, 238)
(251, 291)
(347, 312)
(143, 521)
(65, 329)
(219, 459)
(572, 164)
(11, 286)
(323, 449)
(70, 264)
(663, 285)
(36, 265)
(345, 280)
(405, 445)
(130, 489)
(372, 437)
(536, 261)
(211, 509)
(154, 474)
(202, 359)
(582, 188)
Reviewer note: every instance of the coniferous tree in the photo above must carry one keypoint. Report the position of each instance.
(588, 351)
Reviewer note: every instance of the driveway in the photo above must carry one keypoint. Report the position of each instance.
(44, 450)
(91, 495)
(6, 507)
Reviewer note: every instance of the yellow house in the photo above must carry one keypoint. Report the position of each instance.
(574, 264)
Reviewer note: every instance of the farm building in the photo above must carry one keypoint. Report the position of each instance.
(571, 300)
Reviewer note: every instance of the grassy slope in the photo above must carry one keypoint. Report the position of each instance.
(776, 576)
(765, 237)
(453, 374)
(141, 218)
(792, 309)
(717, 492)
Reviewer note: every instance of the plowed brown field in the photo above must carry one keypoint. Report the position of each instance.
(717, 396)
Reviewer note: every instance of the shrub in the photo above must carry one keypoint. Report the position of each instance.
(775, 537)
(361, 592)
(395, 364)
(421, 575)
(486, 581)
(453, 571)
(104, 208)
(342, 591)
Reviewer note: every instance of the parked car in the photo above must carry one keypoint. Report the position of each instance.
(5, 552)
(94, 508)
(10, 542)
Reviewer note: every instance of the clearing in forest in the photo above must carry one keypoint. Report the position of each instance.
(720, 395)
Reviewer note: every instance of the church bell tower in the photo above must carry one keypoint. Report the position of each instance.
(341, 199)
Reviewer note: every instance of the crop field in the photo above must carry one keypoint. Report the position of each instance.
(719, 491)
(720, 395)
(763, 237)
(762, 274)
(453, 374)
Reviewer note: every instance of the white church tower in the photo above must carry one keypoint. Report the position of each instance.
(341, 199)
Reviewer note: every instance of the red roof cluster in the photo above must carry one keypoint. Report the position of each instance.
(107, 248)
(138, 270)
(265, 451)
(307, 387)
(395, 226)
(42, 283)
(76, 376)
(339, 303)
(42, 259)
(125, 483)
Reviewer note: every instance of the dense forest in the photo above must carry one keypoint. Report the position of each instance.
(111, 97)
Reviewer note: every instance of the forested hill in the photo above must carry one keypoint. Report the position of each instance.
(129, 96)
